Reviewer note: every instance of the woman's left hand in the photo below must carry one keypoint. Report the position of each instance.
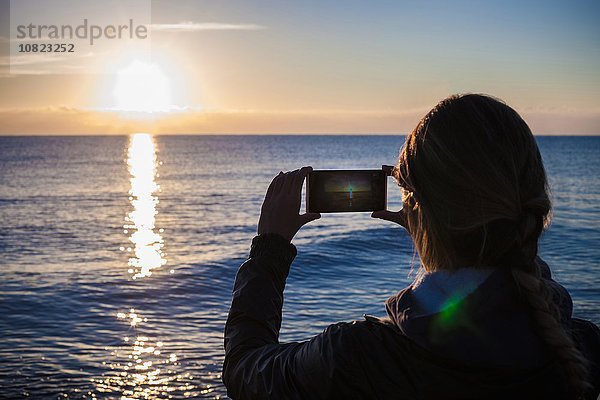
(280, 212)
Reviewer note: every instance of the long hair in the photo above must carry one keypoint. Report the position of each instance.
(475, 194)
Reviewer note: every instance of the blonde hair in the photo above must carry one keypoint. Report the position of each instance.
(475, 194)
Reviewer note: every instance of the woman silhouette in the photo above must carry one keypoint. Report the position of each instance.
(484, 319)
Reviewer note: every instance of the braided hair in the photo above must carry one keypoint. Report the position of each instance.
(475, 194)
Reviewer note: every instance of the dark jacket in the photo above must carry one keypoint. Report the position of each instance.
(485, 347)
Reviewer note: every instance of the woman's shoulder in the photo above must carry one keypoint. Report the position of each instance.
(377, 358)
(369, 358)
(374, 343)
(371, 340)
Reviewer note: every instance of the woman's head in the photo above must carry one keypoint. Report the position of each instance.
(475, 194)
(474, 186)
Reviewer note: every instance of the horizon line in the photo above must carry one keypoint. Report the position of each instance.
(257, 134)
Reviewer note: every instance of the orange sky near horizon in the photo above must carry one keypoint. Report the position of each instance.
(291, 68)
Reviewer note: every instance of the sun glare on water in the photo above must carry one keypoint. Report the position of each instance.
(142, 87)
(144, 365)
(140, 222)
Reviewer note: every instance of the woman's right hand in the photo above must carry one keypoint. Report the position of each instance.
(396, 217)
(280, 212)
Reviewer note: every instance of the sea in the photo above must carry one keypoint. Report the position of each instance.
(118, 253)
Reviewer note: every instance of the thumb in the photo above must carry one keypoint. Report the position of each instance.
(392, 216)
(308, 217)
(384, 214)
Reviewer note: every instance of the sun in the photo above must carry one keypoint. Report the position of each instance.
(142, 87)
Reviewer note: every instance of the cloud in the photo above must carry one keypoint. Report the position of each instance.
(184, 26)
(5, 39)
(189, 26)
(46, 64)
(29, 59)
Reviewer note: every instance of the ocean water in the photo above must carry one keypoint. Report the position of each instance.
(118, 254)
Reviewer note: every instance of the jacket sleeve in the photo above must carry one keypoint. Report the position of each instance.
(256, 365)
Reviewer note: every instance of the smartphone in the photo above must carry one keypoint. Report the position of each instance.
(329, 191)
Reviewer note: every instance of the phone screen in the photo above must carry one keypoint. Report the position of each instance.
(330, 191)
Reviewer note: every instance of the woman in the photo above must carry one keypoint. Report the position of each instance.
(484, 319)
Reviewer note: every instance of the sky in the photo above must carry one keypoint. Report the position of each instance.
(305, 67)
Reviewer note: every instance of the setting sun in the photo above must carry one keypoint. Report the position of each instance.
(142, 87)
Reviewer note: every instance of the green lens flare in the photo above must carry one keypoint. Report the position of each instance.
(453, 316)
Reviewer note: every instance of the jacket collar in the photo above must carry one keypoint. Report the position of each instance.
(475, 317)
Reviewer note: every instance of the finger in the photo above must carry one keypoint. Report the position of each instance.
(388, 169)
(289, 178)
(299, 177)
(382, 214)
(308, 217)
(271, 188)
(279, 179)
